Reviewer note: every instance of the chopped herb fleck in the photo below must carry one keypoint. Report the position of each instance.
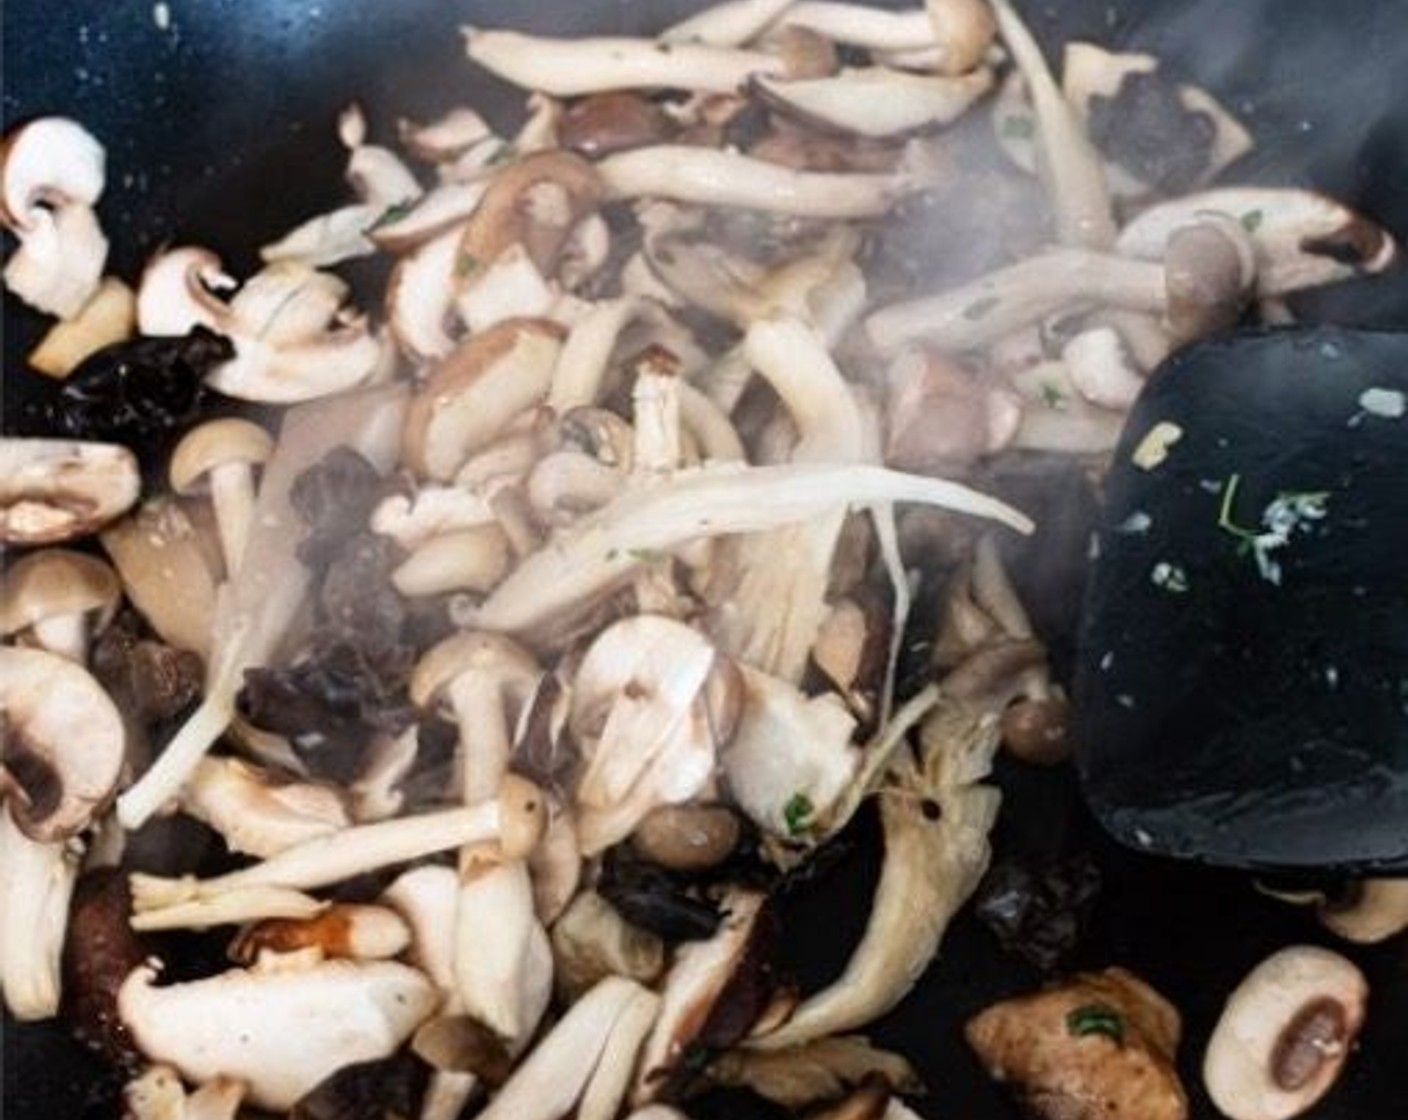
(393, 213)
(797, 813)
(1096, 1018)
(1288, 513)
(1018, 128)
(1252, 219)
(465, 264)
(645, 555)
(503, 155)
(981, 307)
(1052, 395)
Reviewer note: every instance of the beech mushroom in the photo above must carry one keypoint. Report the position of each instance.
(64, 743)
(51, 175)
(876, 101)
(258, 813)
(57, 600)
(472, 560)
(860, 25)
(37, 878)
(221, 455)
(731, 23)
(279, 1029)
(1285, 1034)
(55, 490)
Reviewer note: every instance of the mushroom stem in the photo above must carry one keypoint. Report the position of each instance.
(709, 177)
(63, 634)
(36, 881)
(860, 25)
(516, 815)
(730, 24)
(232, 494)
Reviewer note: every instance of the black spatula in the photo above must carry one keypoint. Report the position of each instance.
(1242, 687)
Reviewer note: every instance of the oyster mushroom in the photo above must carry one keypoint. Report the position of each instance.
(51, 175)
(57, 600)
(279, 1029)
(875, 101)
(37, 878)
(54, 490)
(293, 339)
(258, 813)
(470, 397)
(64, 743)
(221, 456)
(709, 177)
(1285, 1034)
(572, 67)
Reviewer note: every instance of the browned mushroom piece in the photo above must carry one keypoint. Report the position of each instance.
(58, 599)
(604, 123)
(55, 490)
(100, 951)
(1100, 1044)
(939, 416)
(1038, 730)
(690, 837)
(1285, 1034)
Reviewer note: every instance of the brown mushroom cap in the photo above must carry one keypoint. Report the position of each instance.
(216, 444)
(64, 743)
(1285, 1034)
(55, 582)
(55, 490)
(603, 123)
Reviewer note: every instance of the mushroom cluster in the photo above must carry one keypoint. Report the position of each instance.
(554, 610)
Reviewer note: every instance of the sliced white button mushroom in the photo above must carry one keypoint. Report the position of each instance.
(55, 490)
(221, 456)
(281, 1032)
(444, 138)
(36, 882)
(710, 177)
(876, 101)
(257, 813)
(51, 175)
(572, 67)
(64, 743)
(445, 207)
(57, 599)
(1285, 1034)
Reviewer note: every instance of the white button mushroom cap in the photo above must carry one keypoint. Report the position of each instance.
(281, 1032)
(1284, 1034)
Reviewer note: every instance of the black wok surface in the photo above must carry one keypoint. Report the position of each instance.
(219, 129)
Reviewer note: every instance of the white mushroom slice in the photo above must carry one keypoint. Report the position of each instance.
(875, 101)
(494, 955)
(572, 67)
(732, 23)
(57, 599)
(984, 311)
(580, 373)
(469, 398)
(343, 930)
(791, 756)
(420, 296)
(514, 821)
(698, 978)
(472, 560)
(446, 206)
(933, 862)
(55, 490)
(280, 1032)
(860, 25)
(63, 747)
(257, 813)
(165, 573)
(36, 882)
(606, 1090)
(51, 175)
(554, 1075)
(426, 896)
(1302, 239)
(109, 317)
(1379, 910)
(1068, 163)
(159, 1095)
(1285, 1034)
(604, 549)
(709, 177)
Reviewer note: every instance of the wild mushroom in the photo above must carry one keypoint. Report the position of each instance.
(258, 813)
(343, 931)
(55, 490)
(472, 560)
(708, 177)
(510, 286)
(64, 743)
(690, 837)
(1102, 1041)
(109, 317)
(57, 599)
(1285, 1034)
(281, 1030)
(1375, 910)
(221, 455)
(572, 67)
(51, 175)
(36, 881)
(591, 941)
(293, 339)
(818, 1071)
(469, 397)
(940, 416)
(556, 864)
(875, 101)
(1211, 277)
(165, 574)
(1102, 370)
(159, 1095)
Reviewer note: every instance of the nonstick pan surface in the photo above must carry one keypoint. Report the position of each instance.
(218, 128)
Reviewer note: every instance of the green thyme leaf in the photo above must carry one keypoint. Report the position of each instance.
(1096, 1018)
(1052, 395)
(393, 213)
(1252, 219)
(797, 813)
